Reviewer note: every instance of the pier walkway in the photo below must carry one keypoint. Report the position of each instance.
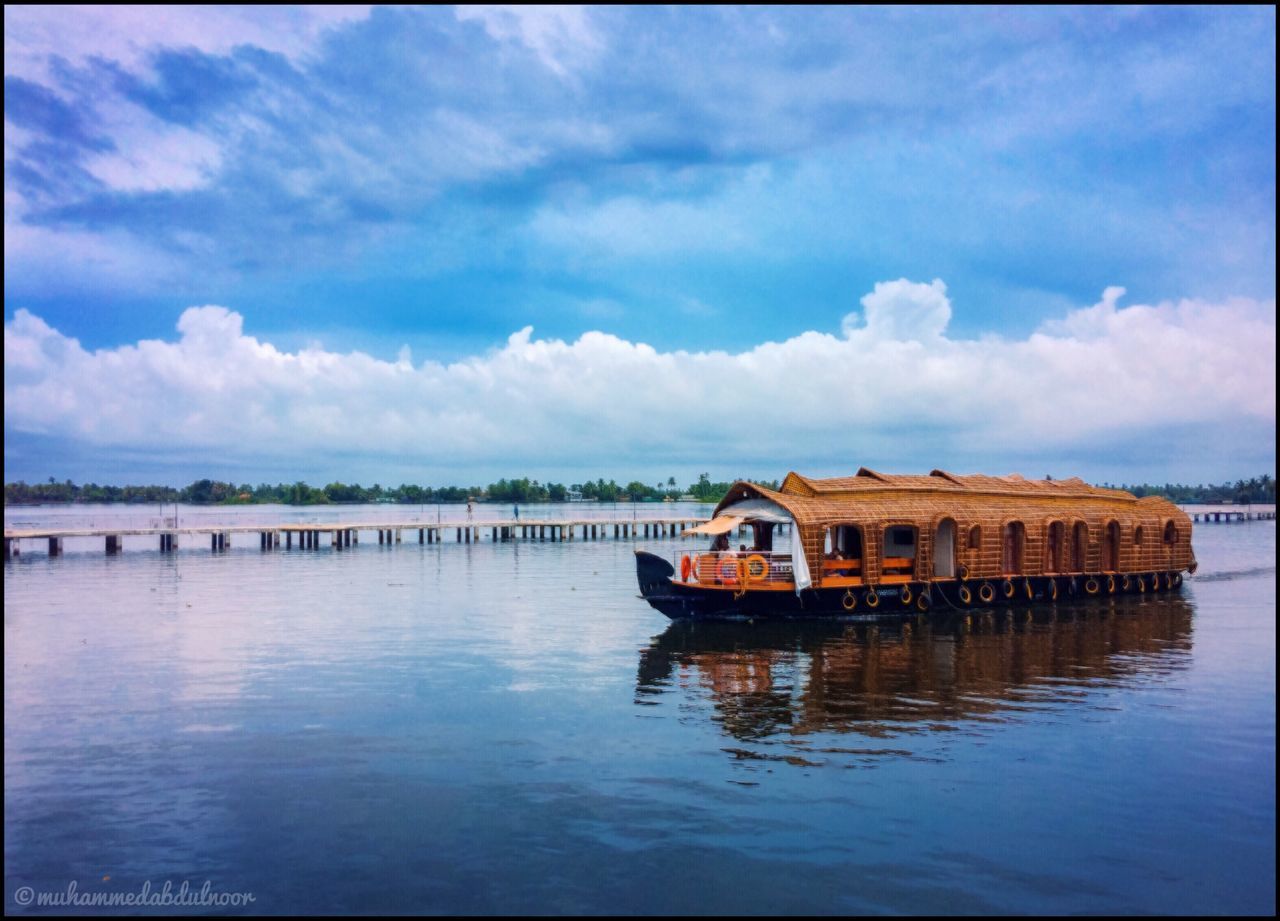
(1235, 514)
(340, 535)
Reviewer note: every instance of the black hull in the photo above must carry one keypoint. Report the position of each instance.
(688, 602)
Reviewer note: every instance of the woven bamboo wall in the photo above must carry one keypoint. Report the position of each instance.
(874, 501)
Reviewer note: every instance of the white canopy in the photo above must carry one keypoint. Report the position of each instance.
(721, 525)
(759, 510)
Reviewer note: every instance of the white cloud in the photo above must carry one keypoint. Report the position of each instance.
(562, 37)
(149, 155)
(128, 34)
(1131, 378)
(904, 310)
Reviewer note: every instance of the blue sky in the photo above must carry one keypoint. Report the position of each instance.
(411, 187)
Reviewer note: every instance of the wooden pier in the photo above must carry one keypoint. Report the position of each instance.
(344, 535)
(1233, 514)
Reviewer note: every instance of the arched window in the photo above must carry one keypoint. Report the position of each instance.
(898, 550)
(842, 552)
(1079, 546)
(975, 537)
(1054, 547)
(844, 539)
(1170, 534)
(1015, 538)
(1137, 536)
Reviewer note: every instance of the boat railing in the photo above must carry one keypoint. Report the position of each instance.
(734, 568)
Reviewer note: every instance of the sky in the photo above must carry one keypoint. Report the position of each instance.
(442, 245)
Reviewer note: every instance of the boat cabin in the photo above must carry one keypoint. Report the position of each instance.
(875, 529)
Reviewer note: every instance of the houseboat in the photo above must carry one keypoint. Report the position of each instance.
(877, 543)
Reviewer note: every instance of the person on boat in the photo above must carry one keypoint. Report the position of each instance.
(720, 544)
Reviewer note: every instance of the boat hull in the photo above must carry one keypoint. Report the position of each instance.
(682, 601)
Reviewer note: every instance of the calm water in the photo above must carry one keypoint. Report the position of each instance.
(494, 728)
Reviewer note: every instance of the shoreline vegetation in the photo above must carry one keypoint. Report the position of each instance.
(1261, 489)
(214, 492)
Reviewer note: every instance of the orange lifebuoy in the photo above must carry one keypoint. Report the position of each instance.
(757, 568)
(686, 567)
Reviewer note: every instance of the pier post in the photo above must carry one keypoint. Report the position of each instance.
(399, 535)
(335, 540)
(55, 546)
(422, 535)
(288, 540)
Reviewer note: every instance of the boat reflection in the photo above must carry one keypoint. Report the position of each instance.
(767, 680)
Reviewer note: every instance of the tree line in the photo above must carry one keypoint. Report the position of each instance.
(216, 492)
(1260, 489)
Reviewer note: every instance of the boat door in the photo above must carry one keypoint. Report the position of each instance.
(1015, 536)
(944, 550)
(1111, 547)
(1053, 547)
